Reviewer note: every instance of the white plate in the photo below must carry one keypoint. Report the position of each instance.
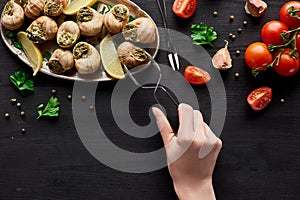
(100, 75)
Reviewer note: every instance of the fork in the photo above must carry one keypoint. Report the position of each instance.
(172, 55)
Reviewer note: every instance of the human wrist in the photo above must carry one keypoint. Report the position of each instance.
(203, 190)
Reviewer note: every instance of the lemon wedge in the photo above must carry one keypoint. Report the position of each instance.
(110, 60)
(73, 7)
(31, 51)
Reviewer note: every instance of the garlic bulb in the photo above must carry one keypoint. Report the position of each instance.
(256, 8)
(222, 60)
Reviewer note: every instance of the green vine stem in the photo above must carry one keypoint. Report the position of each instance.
(293, 12)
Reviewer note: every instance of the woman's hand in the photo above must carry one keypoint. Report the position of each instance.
(191, 154)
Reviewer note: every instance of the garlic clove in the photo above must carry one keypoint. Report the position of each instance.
(256, 8)
(222, 59)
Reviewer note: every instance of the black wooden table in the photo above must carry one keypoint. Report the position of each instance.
(259, 160)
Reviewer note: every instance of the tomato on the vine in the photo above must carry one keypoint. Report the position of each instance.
(196, 76)
(259, 98)
(298, 43)
(271, 32)
(287, 65)
(184, 8)
(257, 56)
(290, 15)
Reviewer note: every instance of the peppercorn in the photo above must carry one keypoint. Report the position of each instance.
(53, 92)
(83, 98)
(237, 52)
(231, 18)
(215, 13)
(230, 35)
(91, 108)
(19, 105)
(23, 130)
(245, 23)
(233, 37)
(282, 100)
(239, 30)
(69, 97)
(22, 114)
(236, 75)
(7, 115)
(13, 100)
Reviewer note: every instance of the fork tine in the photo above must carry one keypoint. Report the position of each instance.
(177, 60)
(170, 56)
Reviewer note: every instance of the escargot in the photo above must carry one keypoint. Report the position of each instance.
(131, 55)
(34, 8)
(116, 18)
(90, 21)
(140, 30)
(61, 61)
(42, 29)
(67, 35)
(12, 16)
(54, 8)
(87, 58)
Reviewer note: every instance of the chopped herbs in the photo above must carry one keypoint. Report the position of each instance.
(131, 18)
(14, 40)
(202, 34)
(95, 6)
(20, 81)
(106, 9)
(47, 55)
(51, 109)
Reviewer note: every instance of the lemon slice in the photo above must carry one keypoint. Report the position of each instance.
(31, 51)
(73, 7)
(110, 60)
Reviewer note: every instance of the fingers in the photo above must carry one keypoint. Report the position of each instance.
(210, 143)
(186, 122)
(163, 125)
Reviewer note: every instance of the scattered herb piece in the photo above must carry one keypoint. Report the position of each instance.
(202, 34)
(131, 18)
(20, 81)
(47, 55)
(106, 9)
(14, 40)
(51, 109)
(95, 6)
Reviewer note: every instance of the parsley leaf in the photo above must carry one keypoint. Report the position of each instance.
(51, 109)
(95, 6)
(20, 81)
(131, 18)
(14, 40)
(202, 34)
(47, 55)
(106, 9)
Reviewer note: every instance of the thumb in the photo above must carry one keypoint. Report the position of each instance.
(163, 125)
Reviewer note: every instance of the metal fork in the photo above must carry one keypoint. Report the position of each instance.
(172, 55)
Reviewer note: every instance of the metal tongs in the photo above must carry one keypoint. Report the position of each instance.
(172, 55)
(156, 86)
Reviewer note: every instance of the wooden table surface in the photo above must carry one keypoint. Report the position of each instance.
(259, 160)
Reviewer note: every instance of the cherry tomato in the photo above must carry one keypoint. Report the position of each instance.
(257, 56)
(196, 76)
(298, 43)
(287, 65)
(184, 8)
(287, 16)
(271, 32)
(259, 98)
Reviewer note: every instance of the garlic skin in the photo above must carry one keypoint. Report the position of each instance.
(140, 30)
(67, 35)
(222, 59)
(131, 55)
(12, 16)
(87, 58)
(34, 8)
(116, 18)
(42, 29)
(61, 61)
(256, 8)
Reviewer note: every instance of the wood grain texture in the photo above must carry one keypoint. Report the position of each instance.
(260, 158)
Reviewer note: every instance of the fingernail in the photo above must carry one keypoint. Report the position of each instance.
(155, 111)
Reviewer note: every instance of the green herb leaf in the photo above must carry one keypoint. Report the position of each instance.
(47, 55)
(14, 40)
(106, 9)
(202, 34)
(20, 81)
(131, 18)
(95, 6)
(51, 110)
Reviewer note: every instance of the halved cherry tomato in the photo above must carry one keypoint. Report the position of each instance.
(259, 98)
(289, 14)
(184, 8)
(271, 32)
(287, 65)
(196, 76)
(257, 56)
